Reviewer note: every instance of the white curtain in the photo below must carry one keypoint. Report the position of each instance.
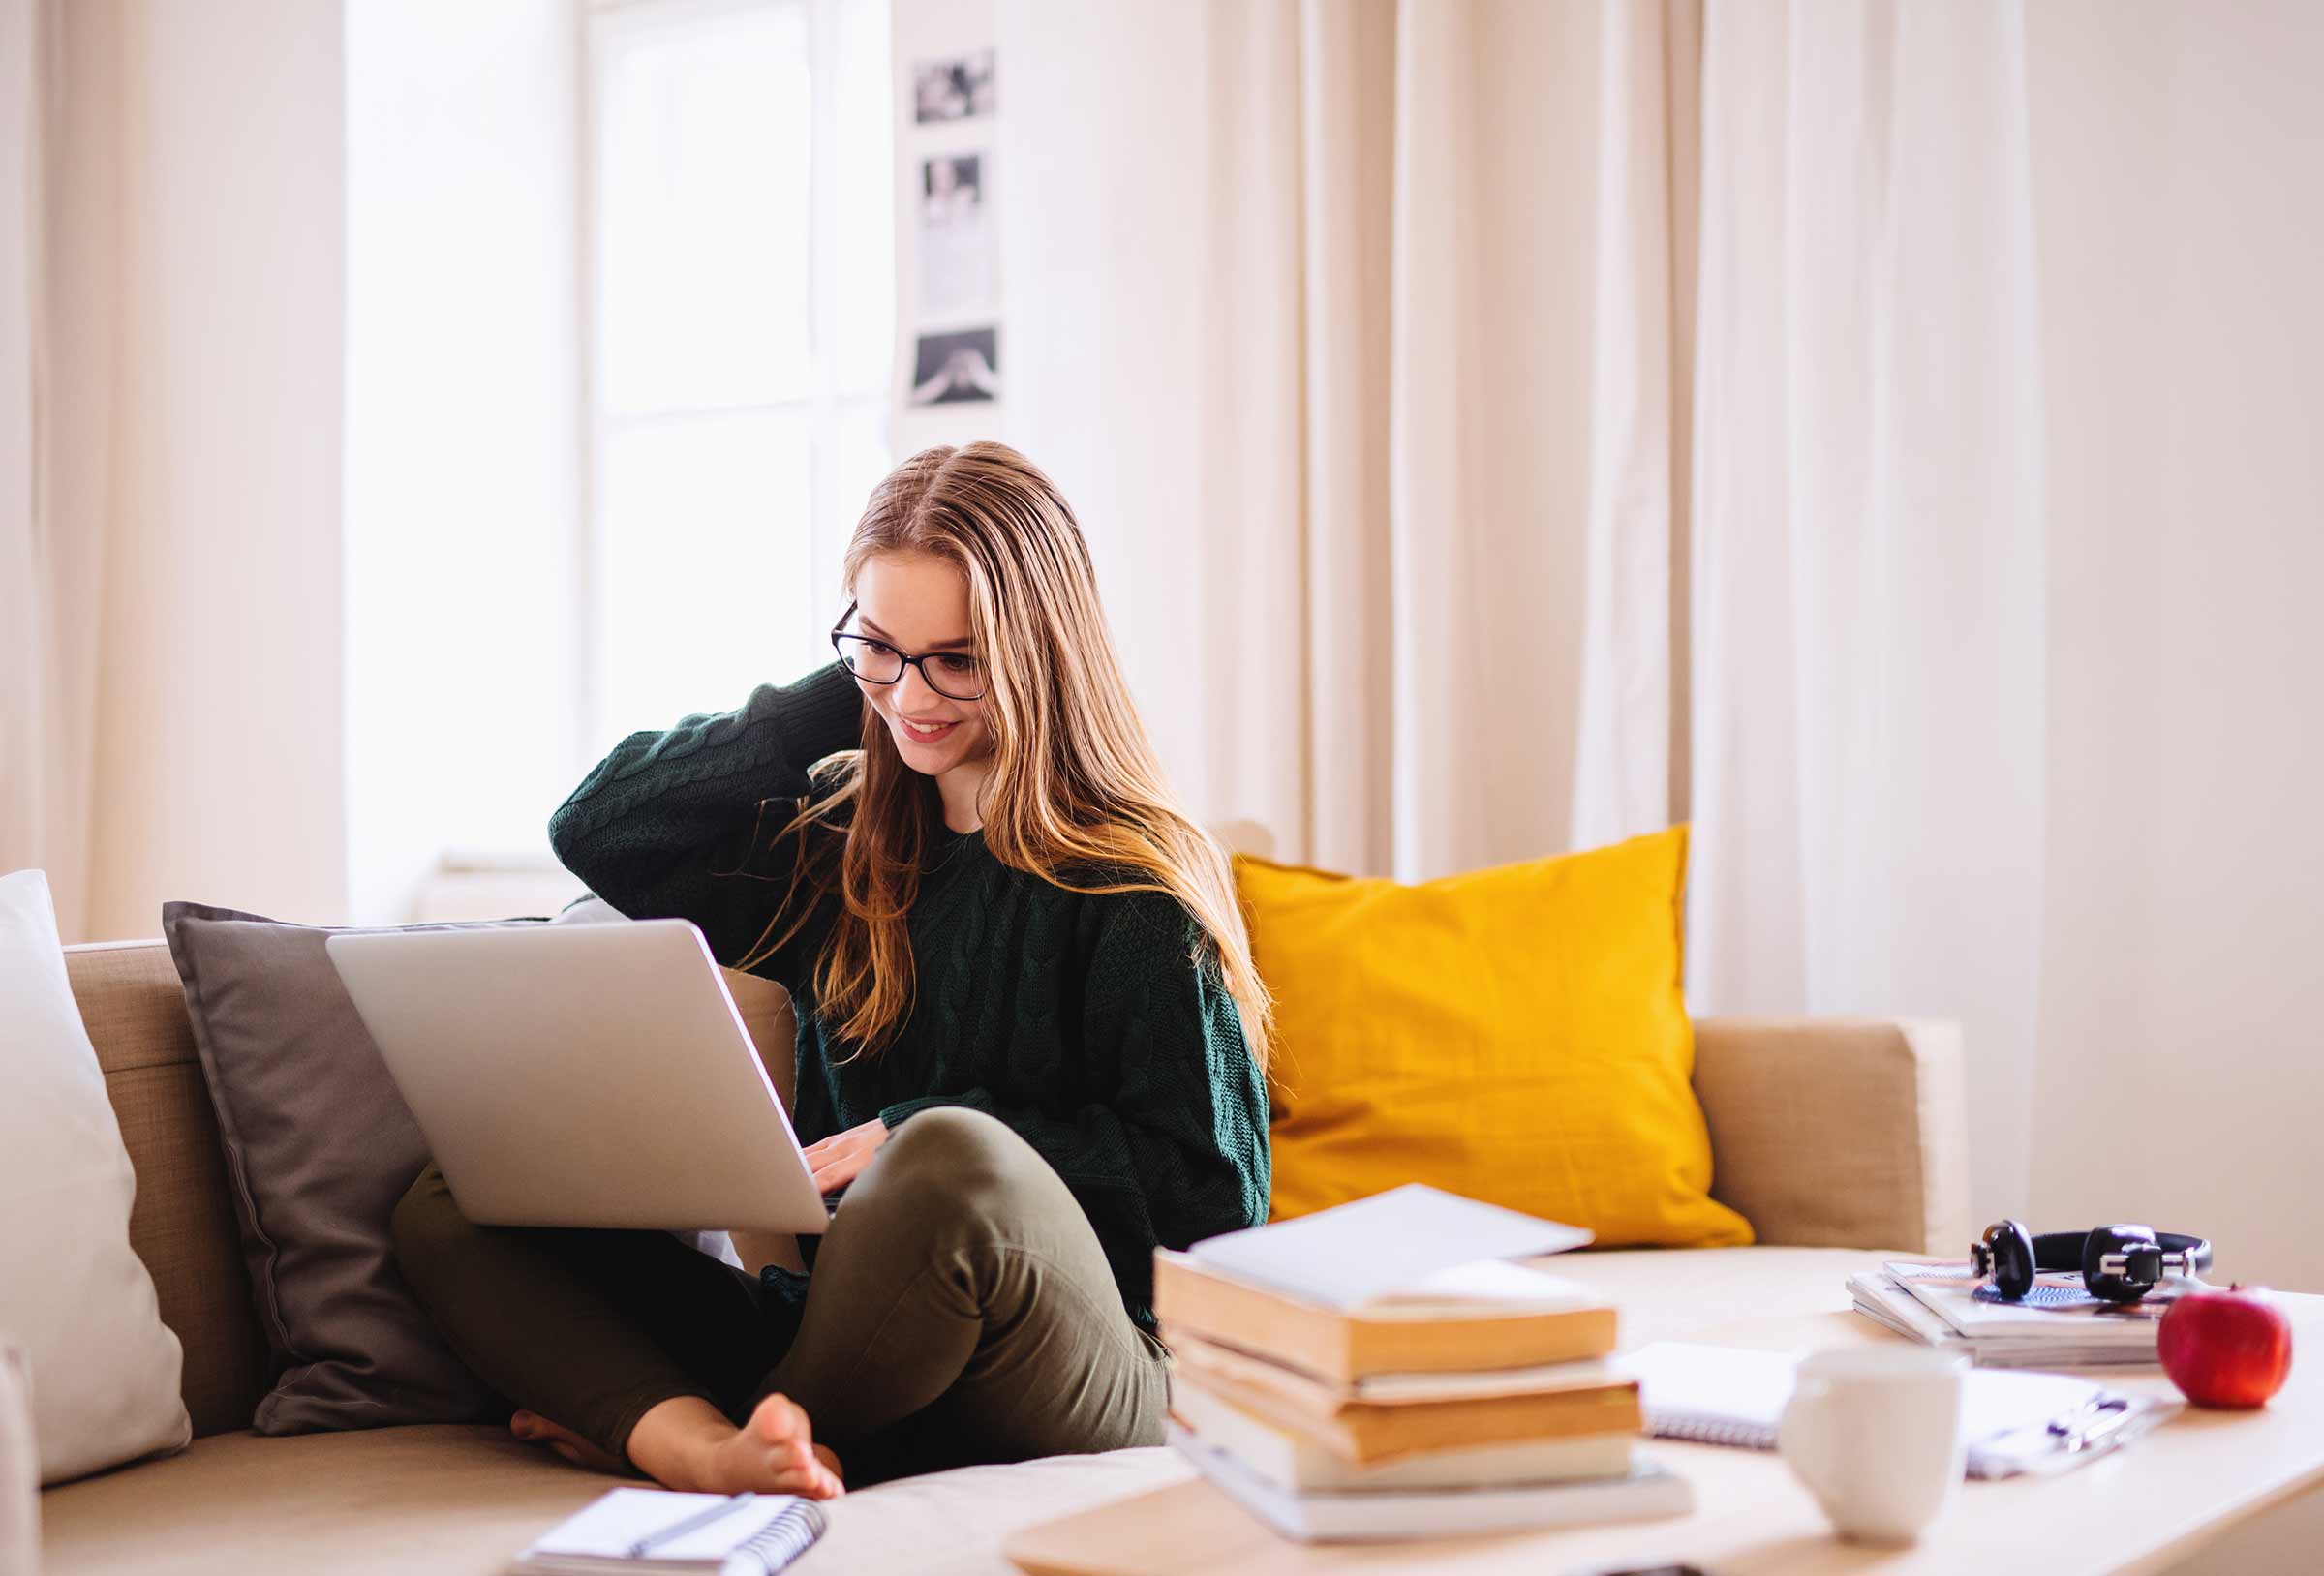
(47, 565)
(1476, 476)
(1631, 768)
(1869, 637)
(23, 637)
(1299, 299)
(24, 640)
(59, 188)
(170, 702)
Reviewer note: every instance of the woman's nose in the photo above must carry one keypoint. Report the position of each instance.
(911, 690)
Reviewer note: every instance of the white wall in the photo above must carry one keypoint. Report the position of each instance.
(2181, 224)
(920, 31)
(463, 435)
(218, 749)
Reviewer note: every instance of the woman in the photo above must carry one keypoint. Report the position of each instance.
(1031, 1040)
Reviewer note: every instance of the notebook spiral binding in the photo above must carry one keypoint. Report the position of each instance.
(1703, 1430)
(785, 1538)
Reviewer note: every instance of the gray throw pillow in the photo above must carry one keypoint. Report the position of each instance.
(319, 1146)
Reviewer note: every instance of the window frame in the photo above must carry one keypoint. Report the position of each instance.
(827, 406)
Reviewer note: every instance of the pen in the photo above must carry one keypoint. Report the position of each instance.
(699, 1519)
(2091, 1426)
(2093, 1429)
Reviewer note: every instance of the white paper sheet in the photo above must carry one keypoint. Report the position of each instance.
(1392, 1241)
(1730, 1396)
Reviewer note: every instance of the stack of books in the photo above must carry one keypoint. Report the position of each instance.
(2061, 1325)
(1473, 1398)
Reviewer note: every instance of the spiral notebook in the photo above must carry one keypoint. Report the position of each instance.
(653, 1531)
(2014, 1421)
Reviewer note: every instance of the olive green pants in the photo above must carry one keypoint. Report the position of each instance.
(960, 1311)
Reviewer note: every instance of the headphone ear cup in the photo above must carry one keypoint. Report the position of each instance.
(2135, 1241)
(2012, 1248)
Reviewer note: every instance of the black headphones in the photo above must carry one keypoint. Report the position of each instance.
(2120, 1263)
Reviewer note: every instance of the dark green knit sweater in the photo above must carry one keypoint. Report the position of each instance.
(1083, 1022)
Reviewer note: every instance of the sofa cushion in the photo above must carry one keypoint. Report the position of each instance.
(1515, 1034)
(73, 1295)
(459, 1499)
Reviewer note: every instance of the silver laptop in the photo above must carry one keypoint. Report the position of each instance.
(582, 1074)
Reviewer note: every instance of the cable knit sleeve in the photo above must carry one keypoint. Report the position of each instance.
(1176, 1149)
(682, 823)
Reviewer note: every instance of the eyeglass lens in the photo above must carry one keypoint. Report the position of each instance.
(954, 674)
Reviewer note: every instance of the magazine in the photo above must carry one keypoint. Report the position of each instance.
(2058, 1303)
(2061, 1325)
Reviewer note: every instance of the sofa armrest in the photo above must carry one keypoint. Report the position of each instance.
(1844, 1133)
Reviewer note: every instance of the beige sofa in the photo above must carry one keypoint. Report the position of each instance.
(1833, 1137)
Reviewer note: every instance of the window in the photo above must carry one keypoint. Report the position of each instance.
(739, 313)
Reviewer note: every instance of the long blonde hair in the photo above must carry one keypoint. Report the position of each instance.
(1076, 792)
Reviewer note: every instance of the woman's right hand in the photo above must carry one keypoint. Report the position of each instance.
(840, 1159)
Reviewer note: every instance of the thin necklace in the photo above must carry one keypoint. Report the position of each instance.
(955, 842)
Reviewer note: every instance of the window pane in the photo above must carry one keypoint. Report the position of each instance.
(703, 580)
(701, 207)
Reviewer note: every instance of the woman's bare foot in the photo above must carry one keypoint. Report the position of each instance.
(773, 1454)
(687, 1444)
(532, 1425)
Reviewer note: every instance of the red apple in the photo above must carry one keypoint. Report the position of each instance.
(2226, 1347)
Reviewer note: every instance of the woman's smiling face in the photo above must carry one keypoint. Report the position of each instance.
(918, 604)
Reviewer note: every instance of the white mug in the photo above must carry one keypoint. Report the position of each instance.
(19, 1469)
(1874, 1433)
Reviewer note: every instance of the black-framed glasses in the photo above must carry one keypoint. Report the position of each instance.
(954, 675)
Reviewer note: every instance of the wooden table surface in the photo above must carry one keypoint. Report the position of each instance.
(2135, 1510)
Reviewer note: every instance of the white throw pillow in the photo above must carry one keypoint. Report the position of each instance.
(73, 1292)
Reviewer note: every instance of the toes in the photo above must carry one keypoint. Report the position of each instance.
(790, 1463)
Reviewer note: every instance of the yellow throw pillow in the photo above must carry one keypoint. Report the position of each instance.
(1517, 1034)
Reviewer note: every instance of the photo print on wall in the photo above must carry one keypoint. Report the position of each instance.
(959, 88)
(957, 368)
(956, 240)
(948, 221)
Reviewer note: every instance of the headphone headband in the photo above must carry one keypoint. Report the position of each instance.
(2063, 1250)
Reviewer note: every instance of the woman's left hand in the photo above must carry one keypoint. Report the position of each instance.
(834, 1160)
